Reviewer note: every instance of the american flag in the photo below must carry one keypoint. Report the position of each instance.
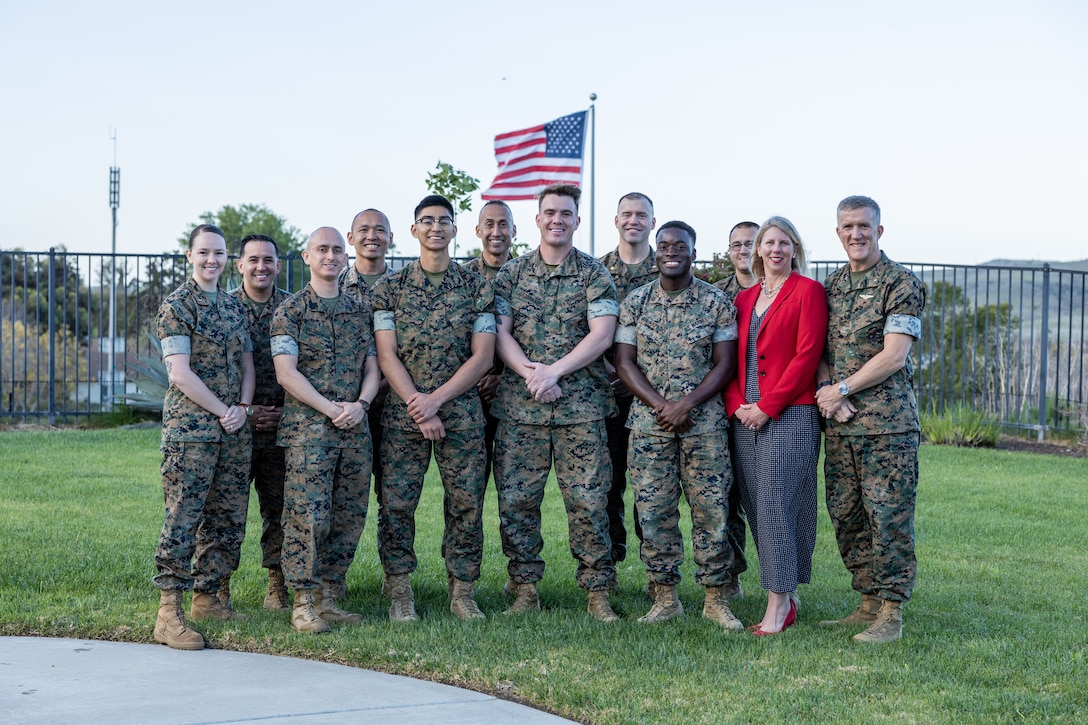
(535, 157)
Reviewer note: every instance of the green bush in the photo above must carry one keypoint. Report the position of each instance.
(961, 426)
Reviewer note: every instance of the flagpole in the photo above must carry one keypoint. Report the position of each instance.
(592, 174)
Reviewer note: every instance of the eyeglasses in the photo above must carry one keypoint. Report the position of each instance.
(736, 246)
(429, 221)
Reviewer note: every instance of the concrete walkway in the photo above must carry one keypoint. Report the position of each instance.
(86, 681)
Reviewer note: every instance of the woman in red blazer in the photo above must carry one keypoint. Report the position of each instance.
(781, 330)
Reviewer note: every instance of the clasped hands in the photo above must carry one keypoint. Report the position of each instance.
(674, 416)
(543, 383)
(233, 420)
(423, 407)
(833, 405)
(349, 414)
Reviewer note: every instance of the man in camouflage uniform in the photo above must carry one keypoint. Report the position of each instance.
(496, 231)
(370, 236)
(632, 264)
(259, 265)
(206, 445)
(322, 347)
(742, 239)
(676, 348)
(557, 309)
(434, 325)
(872, 434)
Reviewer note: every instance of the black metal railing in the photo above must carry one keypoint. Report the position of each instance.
(1008, 340)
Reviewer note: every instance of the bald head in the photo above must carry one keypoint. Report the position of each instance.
(325, 235)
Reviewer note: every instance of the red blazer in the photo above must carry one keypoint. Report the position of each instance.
(790, 345)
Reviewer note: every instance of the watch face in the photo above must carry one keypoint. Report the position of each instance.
(844, 389)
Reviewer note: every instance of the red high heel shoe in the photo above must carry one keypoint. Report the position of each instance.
(789, 621)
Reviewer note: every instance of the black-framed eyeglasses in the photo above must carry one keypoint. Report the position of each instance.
(444, 222)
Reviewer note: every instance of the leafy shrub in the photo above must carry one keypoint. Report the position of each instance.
(151, 379)
(961, 426)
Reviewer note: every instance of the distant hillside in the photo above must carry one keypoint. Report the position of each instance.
(1079, 266)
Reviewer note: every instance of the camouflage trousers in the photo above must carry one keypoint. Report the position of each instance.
(871, 486)
(736, 524)
(661, 469)
(462, 463)
(524, 455)
(325, 498)
(206, 491)
(267, 473)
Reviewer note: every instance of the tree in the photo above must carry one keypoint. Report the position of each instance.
(237, 222)
(455, 185)
(720, 268)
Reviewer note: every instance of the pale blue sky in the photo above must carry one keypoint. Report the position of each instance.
(965, 120)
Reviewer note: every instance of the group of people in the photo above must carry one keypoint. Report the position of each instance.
(603, 371)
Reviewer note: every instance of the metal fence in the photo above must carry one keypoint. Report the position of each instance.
(1005, 340)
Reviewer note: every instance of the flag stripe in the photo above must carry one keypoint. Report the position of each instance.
(535, 157)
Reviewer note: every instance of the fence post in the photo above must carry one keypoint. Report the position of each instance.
(52, 338)
(1044, 355)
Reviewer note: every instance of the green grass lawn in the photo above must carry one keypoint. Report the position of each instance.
(996, 631)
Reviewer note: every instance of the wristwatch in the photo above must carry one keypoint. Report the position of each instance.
(247, 408)
(823, 384)
(844, 389)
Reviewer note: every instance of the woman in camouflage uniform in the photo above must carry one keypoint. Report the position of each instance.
(206, 443)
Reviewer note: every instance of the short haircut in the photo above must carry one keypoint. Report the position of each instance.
(498, 202)
(433, 200)
(368, 211)
(636, 196)
(257, 238)
(743, 225)
(201, 229)
(560, 190)
(799, 261)
(683, 226)
(859, 202)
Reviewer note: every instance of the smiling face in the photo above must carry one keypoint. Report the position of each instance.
(777, 252)
(370, 236)
(325, 254)
(860, 233)
(741, 241)
(557, 220)
(259, 265)
(208, 255)
(434, 228)
(635, 221)
(675, 252)
(496, 231)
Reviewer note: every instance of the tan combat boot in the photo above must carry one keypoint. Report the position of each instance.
(223, 595)
(171, 629)
(509, 588)
(304, 617)
(887, 627)
(716, 609)
(864, 614)
(666, 605)
(651, 590)
(403, 608)
(337, 590)
(327, 608)
(733, 590)
(599, 606)
(208, 606)
(527, 599)
(276, 599)
(462, 601)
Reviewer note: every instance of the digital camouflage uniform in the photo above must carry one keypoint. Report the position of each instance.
(674, 339)
(205, 470)
(491, 423)
(627, 277)
(434, 328)
(356, 285)
(550, 312)
(734, 519)
(328, 469)
(871, 461)
(267, 469)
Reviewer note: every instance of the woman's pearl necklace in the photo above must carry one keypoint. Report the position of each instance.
(771, 291)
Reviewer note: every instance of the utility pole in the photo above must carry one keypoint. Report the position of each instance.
(593, 174)
(115, 201)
